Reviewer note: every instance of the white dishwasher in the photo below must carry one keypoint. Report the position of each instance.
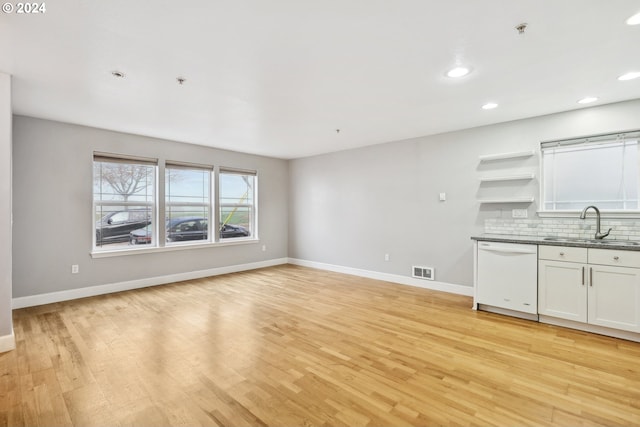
(507, 276)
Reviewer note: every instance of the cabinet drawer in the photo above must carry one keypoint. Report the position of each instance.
(614, 257)
(563, 253)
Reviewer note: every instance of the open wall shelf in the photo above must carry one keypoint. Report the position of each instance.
(504, 156)
(514, 177)
(509, 200)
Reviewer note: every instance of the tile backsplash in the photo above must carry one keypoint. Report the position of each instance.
(622, 229)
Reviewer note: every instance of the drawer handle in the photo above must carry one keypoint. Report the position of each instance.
(616, 257)
(561, 253)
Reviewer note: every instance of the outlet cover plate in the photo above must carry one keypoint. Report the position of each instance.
(519, 213)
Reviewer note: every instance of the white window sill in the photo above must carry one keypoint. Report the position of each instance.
(576, 214)
(137, 250)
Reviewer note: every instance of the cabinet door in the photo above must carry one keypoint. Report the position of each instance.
(562, 290)
(614, 297)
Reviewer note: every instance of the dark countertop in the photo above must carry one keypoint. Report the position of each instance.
(626, 245)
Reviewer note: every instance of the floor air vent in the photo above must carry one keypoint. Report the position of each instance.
(423, 272)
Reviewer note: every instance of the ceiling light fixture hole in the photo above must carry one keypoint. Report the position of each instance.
(118, 74)
(521, 28)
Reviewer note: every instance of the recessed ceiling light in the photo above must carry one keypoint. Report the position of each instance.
(118, 74)
(458, 72)
(634, 20)
(489, 106)
(629, 76)
(588, 100)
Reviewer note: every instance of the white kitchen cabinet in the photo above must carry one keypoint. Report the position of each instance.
(614, 297)
(561, 290)
(595, 286)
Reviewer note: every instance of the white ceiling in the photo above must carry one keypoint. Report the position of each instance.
(279, 77)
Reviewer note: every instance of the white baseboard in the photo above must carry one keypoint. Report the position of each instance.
(33, 300)
(394, 278)
(616, 333)
(7, 342)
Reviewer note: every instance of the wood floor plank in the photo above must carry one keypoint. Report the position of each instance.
(289, 345)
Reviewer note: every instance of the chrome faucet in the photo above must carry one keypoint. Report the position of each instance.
(583, 215)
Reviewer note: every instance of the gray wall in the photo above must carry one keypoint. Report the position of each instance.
(52, 187)
(6, 326)
(347, 208)
(350, 208)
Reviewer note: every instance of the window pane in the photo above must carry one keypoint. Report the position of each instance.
(237, 205)
(187, 185)
(187, 195)
(235, 188)
(120, 226)
(126, 182)
(604, 174)
(123, 195)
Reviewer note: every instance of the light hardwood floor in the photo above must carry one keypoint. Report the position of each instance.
(292, 346)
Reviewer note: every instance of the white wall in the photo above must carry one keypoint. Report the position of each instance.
(352, 207)
(6, 324)
(53, 226)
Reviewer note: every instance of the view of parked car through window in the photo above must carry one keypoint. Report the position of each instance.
(126, 208)
(237, 203)
(123, 197)
(116, 226)
(186, 229)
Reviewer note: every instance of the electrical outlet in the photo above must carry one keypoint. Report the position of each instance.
(519, 213)
(386, 257)
(75, 269)
(264, 248)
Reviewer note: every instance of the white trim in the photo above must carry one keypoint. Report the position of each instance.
(140, 249)
(7, 342)
(601, 330)
(33, 300)
(394, 278)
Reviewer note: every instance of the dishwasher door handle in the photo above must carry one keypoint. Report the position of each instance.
(507, 250)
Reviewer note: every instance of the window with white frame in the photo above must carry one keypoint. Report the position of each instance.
(187, 203)
(123, 200)
(237, 203)
(602, 170)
